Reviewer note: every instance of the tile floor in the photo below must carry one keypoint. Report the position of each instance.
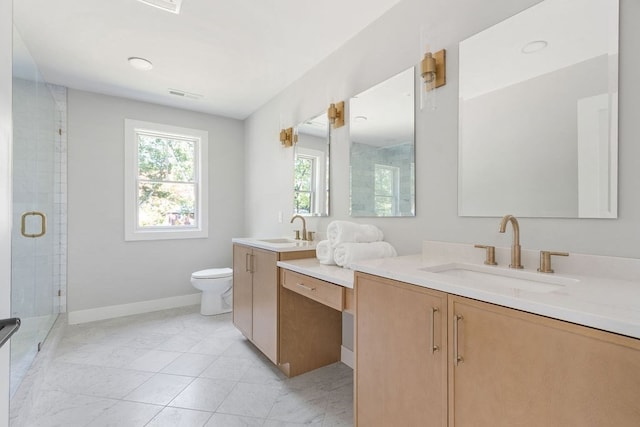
(24, 347)
(178, 368)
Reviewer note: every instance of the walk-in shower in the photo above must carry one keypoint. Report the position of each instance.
(39, 206)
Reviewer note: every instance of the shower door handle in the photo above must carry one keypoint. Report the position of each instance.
(43, 224)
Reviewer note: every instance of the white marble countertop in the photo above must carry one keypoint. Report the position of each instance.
(610, 304)
(276, 244)
(328, 273)
(595, 291)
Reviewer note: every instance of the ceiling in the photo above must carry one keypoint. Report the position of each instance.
(229, 57)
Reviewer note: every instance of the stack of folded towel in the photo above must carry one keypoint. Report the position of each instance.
(348, 242)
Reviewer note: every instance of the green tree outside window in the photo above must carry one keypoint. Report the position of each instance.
(303, 185)
(166, 181)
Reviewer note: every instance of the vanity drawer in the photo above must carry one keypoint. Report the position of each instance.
(318, 290)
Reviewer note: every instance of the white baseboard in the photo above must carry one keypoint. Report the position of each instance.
(347, 357)
(111, 311)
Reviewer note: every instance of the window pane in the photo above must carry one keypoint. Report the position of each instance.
(303, 180)
(165, 159)
(384, 206)
(166, 205)
(302, 202)
(384, 181)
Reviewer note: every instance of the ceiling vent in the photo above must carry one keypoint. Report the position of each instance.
(184, 94)
(172, 6)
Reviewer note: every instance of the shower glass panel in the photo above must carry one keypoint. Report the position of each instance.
(34, 293)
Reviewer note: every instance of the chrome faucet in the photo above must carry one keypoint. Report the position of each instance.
(304, 226)
(515, 247)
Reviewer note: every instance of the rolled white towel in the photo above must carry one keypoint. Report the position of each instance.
(350, 232)
(324, 253)
(346, 254)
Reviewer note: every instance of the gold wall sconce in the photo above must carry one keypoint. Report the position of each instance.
(288, 137)
(434, 69)
(335, 113)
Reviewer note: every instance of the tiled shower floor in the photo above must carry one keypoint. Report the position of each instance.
(178, 368)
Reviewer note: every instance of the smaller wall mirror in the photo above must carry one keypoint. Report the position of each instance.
(311, 167)
(382, 155)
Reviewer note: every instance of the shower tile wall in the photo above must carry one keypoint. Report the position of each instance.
(53, 173)
(364, 158)
(33, 128)
(38, 265)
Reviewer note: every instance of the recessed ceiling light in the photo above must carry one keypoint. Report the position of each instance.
(360, 119)
(172, 6)
(534, 46)
(140, 63)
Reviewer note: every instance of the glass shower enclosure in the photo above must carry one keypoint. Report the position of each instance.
(34, 290)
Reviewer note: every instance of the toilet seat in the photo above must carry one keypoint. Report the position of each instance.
(213, 273)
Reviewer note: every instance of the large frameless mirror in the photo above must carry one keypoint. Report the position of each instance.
(382, 152)
(311, 167)
(538, 113)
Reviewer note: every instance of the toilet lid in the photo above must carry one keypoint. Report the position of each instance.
(213, 273)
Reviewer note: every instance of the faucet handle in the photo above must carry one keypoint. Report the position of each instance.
(310, 235)
(490, 258)
(545, 260)
(297, 234)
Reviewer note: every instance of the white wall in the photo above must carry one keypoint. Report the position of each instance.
(388, 46)
(6, 28)
(103, 269)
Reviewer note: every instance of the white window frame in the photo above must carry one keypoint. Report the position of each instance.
(313, 184)
(318, 198)
(132, 232)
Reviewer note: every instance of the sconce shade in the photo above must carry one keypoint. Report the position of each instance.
(428, 67)
(433, 68)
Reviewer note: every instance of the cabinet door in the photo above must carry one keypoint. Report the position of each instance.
(400, 379)
(527, 370)
(242, 290)
(265, 302)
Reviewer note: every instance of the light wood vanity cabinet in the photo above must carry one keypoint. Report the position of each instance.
(255, 294)
(255, 297)
(310, 330)
(243, 290)
(400, 378)
(522, 369)
(502, 367)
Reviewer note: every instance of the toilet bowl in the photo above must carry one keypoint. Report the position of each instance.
(216, 285)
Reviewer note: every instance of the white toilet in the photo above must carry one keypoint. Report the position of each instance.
(216, 285)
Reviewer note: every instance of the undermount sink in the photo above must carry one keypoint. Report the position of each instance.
(513, 279)
(278, 240)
